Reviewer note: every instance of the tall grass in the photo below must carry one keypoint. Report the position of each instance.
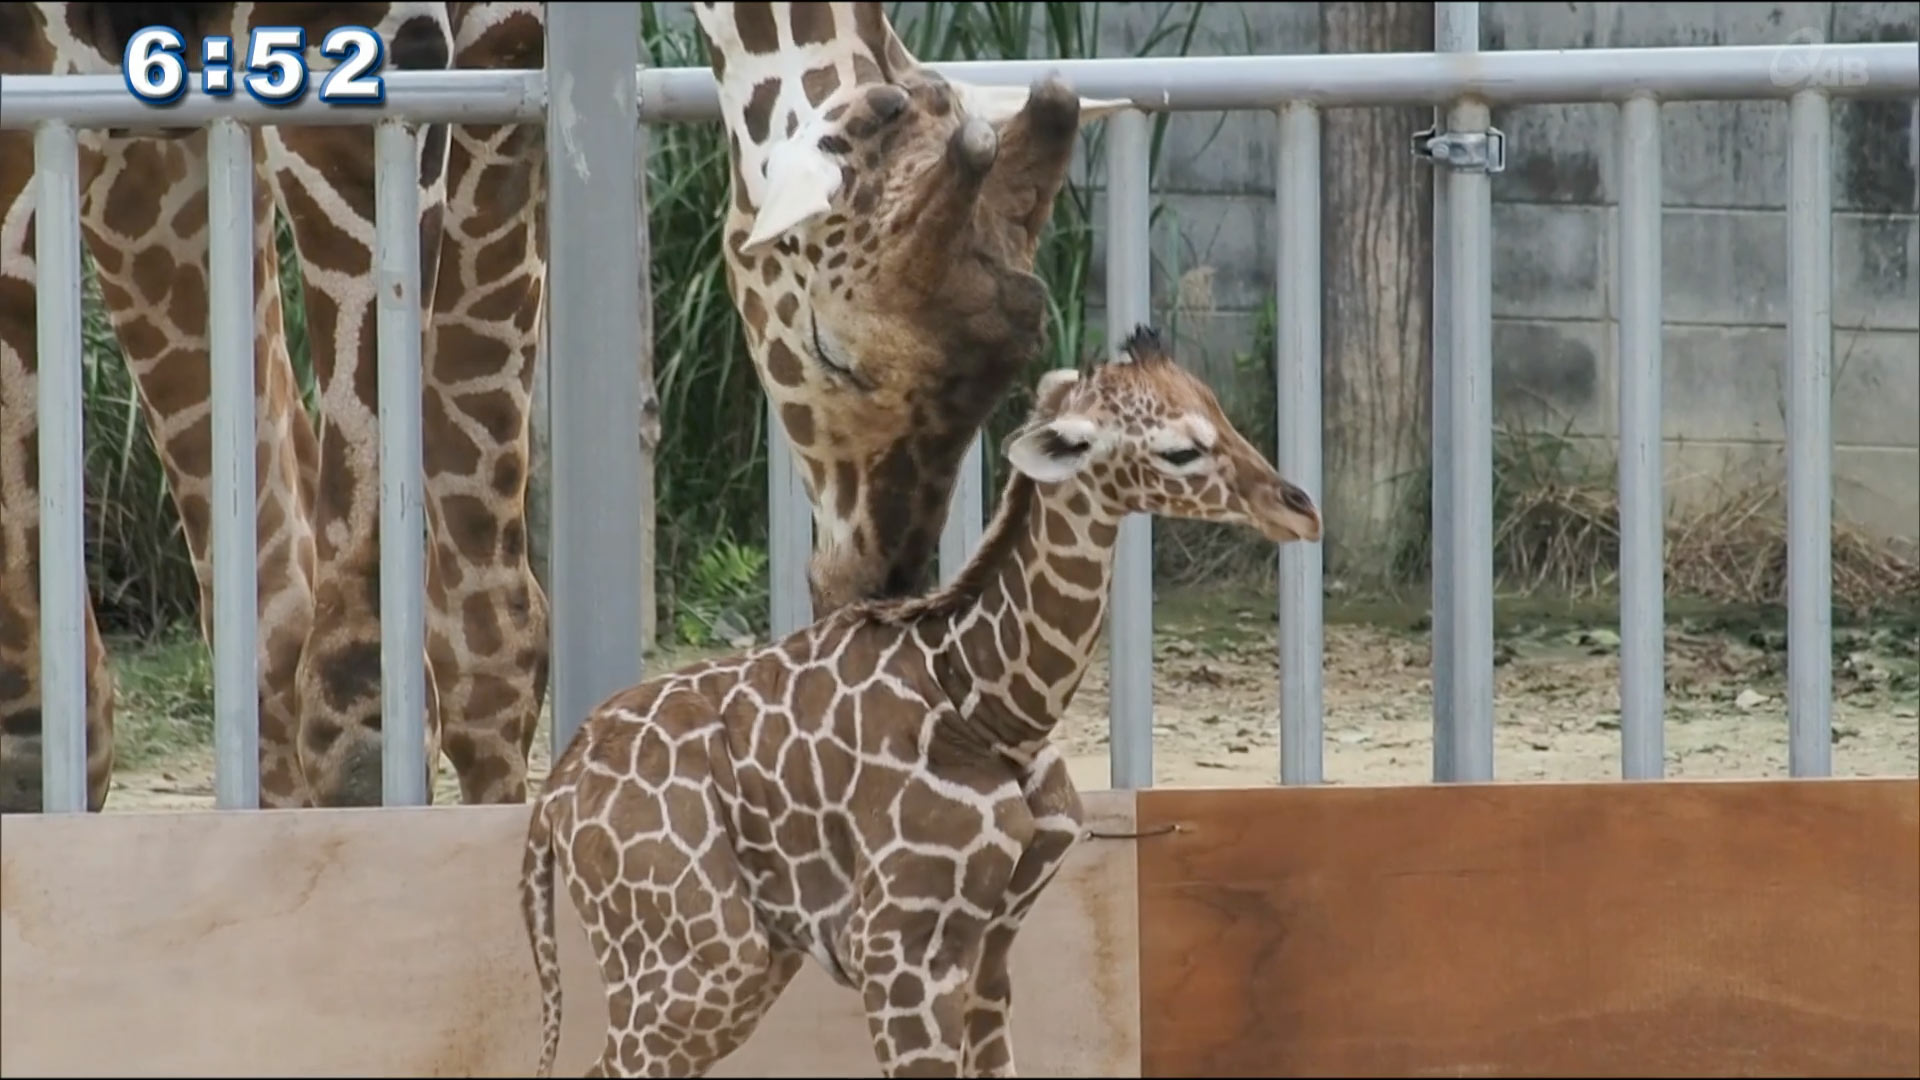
(711, 466)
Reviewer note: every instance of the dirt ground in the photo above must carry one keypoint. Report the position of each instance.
(1216, 704)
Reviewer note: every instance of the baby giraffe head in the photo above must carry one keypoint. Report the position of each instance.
(1150, 437)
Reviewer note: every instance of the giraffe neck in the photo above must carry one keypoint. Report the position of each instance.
(774, 63)
(1015, 633)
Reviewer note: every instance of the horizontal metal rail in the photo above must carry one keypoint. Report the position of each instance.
(1153, 84)
(1520, 77)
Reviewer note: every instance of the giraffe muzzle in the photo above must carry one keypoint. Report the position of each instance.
(1289, 514)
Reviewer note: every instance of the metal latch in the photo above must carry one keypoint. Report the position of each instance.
(1466, 151)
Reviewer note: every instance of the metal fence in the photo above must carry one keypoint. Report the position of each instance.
(593, 108)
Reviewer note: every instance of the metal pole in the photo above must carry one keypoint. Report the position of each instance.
(966, 515)
(789, 534)
(1302, 738)
(1130, 302)
(1456, 28)
(1642, 522)
(1470, 462)
(1809, 435)
(230, 300)
(63, 575)
(1498, 77)
(593, 53)
(403, 685)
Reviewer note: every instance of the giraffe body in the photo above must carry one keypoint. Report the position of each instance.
(144, 217)
(877, 792)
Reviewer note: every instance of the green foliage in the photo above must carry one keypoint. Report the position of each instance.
(726, 590)
(711, 483)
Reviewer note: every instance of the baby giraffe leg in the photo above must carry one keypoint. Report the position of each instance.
(670, 1015)
(1055, 806)
(918, 978)
(687, 966)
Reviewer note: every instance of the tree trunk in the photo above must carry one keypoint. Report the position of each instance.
(1377, 273)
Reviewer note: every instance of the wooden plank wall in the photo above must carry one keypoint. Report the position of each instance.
(389, 943)
(1682, 929)
(1530, 930)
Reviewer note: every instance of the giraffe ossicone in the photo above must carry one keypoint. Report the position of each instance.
(878, 791)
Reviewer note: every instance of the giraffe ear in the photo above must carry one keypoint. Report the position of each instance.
(1053, 451)
(999, 104)
(801, 184)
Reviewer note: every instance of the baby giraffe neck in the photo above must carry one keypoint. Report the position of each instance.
(1014, 656)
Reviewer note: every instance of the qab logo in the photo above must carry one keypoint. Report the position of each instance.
(1804, 62)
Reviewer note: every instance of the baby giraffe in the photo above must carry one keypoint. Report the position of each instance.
(878, 791)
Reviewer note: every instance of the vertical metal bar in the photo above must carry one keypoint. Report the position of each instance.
(593, 206)
(1129, 302)
(789, 534)
(1470, 460)
(966, 514)
(1809, 435)
(1642, 521)
(63, 576)
(1456, 28)
(1302, 738)
(230, 300)
(403, 684)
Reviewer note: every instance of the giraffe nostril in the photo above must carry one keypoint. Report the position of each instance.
(1295, 499)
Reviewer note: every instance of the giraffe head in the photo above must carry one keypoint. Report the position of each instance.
(1150, 437)
(880, 248)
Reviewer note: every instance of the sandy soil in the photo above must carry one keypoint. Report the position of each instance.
(1556, 712)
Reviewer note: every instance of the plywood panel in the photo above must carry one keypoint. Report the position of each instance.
(1647, 929)
(389, 943)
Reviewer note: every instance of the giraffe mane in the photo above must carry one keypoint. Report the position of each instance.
(1003, 533)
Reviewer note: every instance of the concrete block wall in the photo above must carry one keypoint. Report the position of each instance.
(1554, 302)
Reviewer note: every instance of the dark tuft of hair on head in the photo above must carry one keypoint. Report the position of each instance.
(1144, 344)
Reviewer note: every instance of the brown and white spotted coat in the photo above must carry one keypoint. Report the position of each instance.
(877, 791)
(879, 247)
(144, 217)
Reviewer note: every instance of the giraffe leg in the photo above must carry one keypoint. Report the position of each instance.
(1055, 806)
(487, 615)
(324, 178)
(688, 969)
(21, 722)
(917, 971)
(146, 222)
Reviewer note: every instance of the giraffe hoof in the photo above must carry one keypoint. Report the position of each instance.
(976, 145)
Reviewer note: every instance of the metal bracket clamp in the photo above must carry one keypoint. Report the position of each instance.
(1463, 151)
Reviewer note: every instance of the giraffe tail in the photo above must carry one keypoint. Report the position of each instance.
(536, 908)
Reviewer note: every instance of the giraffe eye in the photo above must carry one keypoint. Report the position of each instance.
(834, 366)
(1183, 456)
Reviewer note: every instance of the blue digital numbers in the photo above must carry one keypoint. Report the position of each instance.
(273, 67)
(154, 68)
(355, 78)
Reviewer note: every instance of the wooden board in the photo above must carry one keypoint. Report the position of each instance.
(389, 943)
(1766, 928)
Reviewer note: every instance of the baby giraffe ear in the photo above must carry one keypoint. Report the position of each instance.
(1054, 451)
(801, 184)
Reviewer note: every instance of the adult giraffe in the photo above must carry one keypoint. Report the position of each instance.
(144, 217)
(912, 300)
(879, 247)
